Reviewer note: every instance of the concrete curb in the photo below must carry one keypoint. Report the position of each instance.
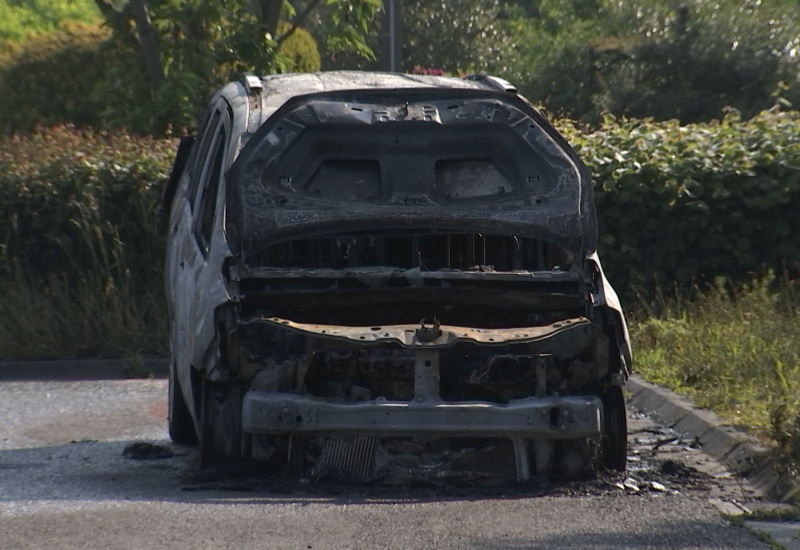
(85, 369)
(743, 454)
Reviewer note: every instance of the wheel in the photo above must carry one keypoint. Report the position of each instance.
(181, 425)
(220, 423)
(615, 429)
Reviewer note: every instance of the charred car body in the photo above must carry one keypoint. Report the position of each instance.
(371, 272)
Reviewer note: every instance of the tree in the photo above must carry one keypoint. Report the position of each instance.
(458, 37)
(454, 36)
(657, 58)
(175, 52)
(698, 59)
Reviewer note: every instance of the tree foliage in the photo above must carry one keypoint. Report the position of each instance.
(457, 37)
(580, 58)
(180, 51)
(689, 203)
(632, 58)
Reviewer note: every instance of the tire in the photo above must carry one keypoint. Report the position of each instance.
(181, 424)
(221, 423)
(615, 429)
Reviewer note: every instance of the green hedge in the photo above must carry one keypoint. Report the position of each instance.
(300, 49)
(81, 240)
(69, 197)
(51, 78)
(81, 243)
(689, 203)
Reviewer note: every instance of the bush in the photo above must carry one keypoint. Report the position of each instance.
(301, 50)
(82, 247)
(73, 76)
(699, 60)
(660, 59)
(50, 79)
(734, 351)
(689, 203)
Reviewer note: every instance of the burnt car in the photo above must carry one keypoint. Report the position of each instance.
(375, 273)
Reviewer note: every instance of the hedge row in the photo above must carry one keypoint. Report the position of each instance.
(81, 244)
(70, 198)
(690, 203)
(675, 203)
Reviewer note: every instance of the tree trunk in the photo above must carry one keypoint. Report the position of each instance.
(298, 20)
(271, 15)
(147, 40)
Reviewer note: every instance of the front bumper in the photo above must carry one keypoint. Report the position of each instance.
(531, 418)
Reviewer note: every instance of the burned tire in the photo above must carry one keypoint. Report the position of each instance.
(181, 425)
(220, 423)
(615, 429)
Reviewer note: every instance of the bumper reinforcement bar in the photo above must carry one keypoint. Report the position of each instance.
(535, 418)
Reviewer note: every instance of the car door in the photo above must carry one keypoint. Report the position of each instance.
(186, 259)
(209, 246)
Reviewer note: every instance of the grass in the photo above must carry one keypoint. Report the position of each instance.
(782, 513)
(21, 19)
(60, 318)
(734, 351)
(761, 535)
(82, 244)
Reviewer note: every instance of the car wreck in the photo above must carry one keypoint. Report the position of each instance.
(372, 276)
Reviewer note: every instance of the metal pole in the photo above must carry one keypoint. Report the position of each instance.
(392, 37)
(392, 45)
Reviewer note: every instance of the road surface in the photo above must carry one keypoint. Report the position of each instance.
(66, 482)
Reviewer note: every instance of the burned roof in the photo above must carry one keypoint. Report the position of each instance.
(278, 89)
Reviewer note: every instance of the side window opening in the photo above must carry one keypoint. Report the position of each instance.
(208, 200)
(199, 164)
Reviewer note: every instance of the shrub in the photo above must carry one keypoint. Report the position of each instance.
(734, 351)
(656, 58)
(699, 60)
(300, 49)
(689, 203)
(50, 79)
(73, 76)
(82, 247)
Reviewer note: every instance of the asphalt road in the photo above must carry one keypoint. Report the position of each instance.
(65, 483)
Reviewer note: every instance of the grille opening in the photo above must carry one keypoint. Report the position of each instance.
(467, 373)
(429, 252)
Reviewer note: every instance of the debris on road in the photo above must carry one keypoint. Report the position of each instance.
(141, 450)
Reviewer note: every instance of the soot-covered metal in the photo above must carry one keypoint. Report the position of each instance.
(374, 274)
